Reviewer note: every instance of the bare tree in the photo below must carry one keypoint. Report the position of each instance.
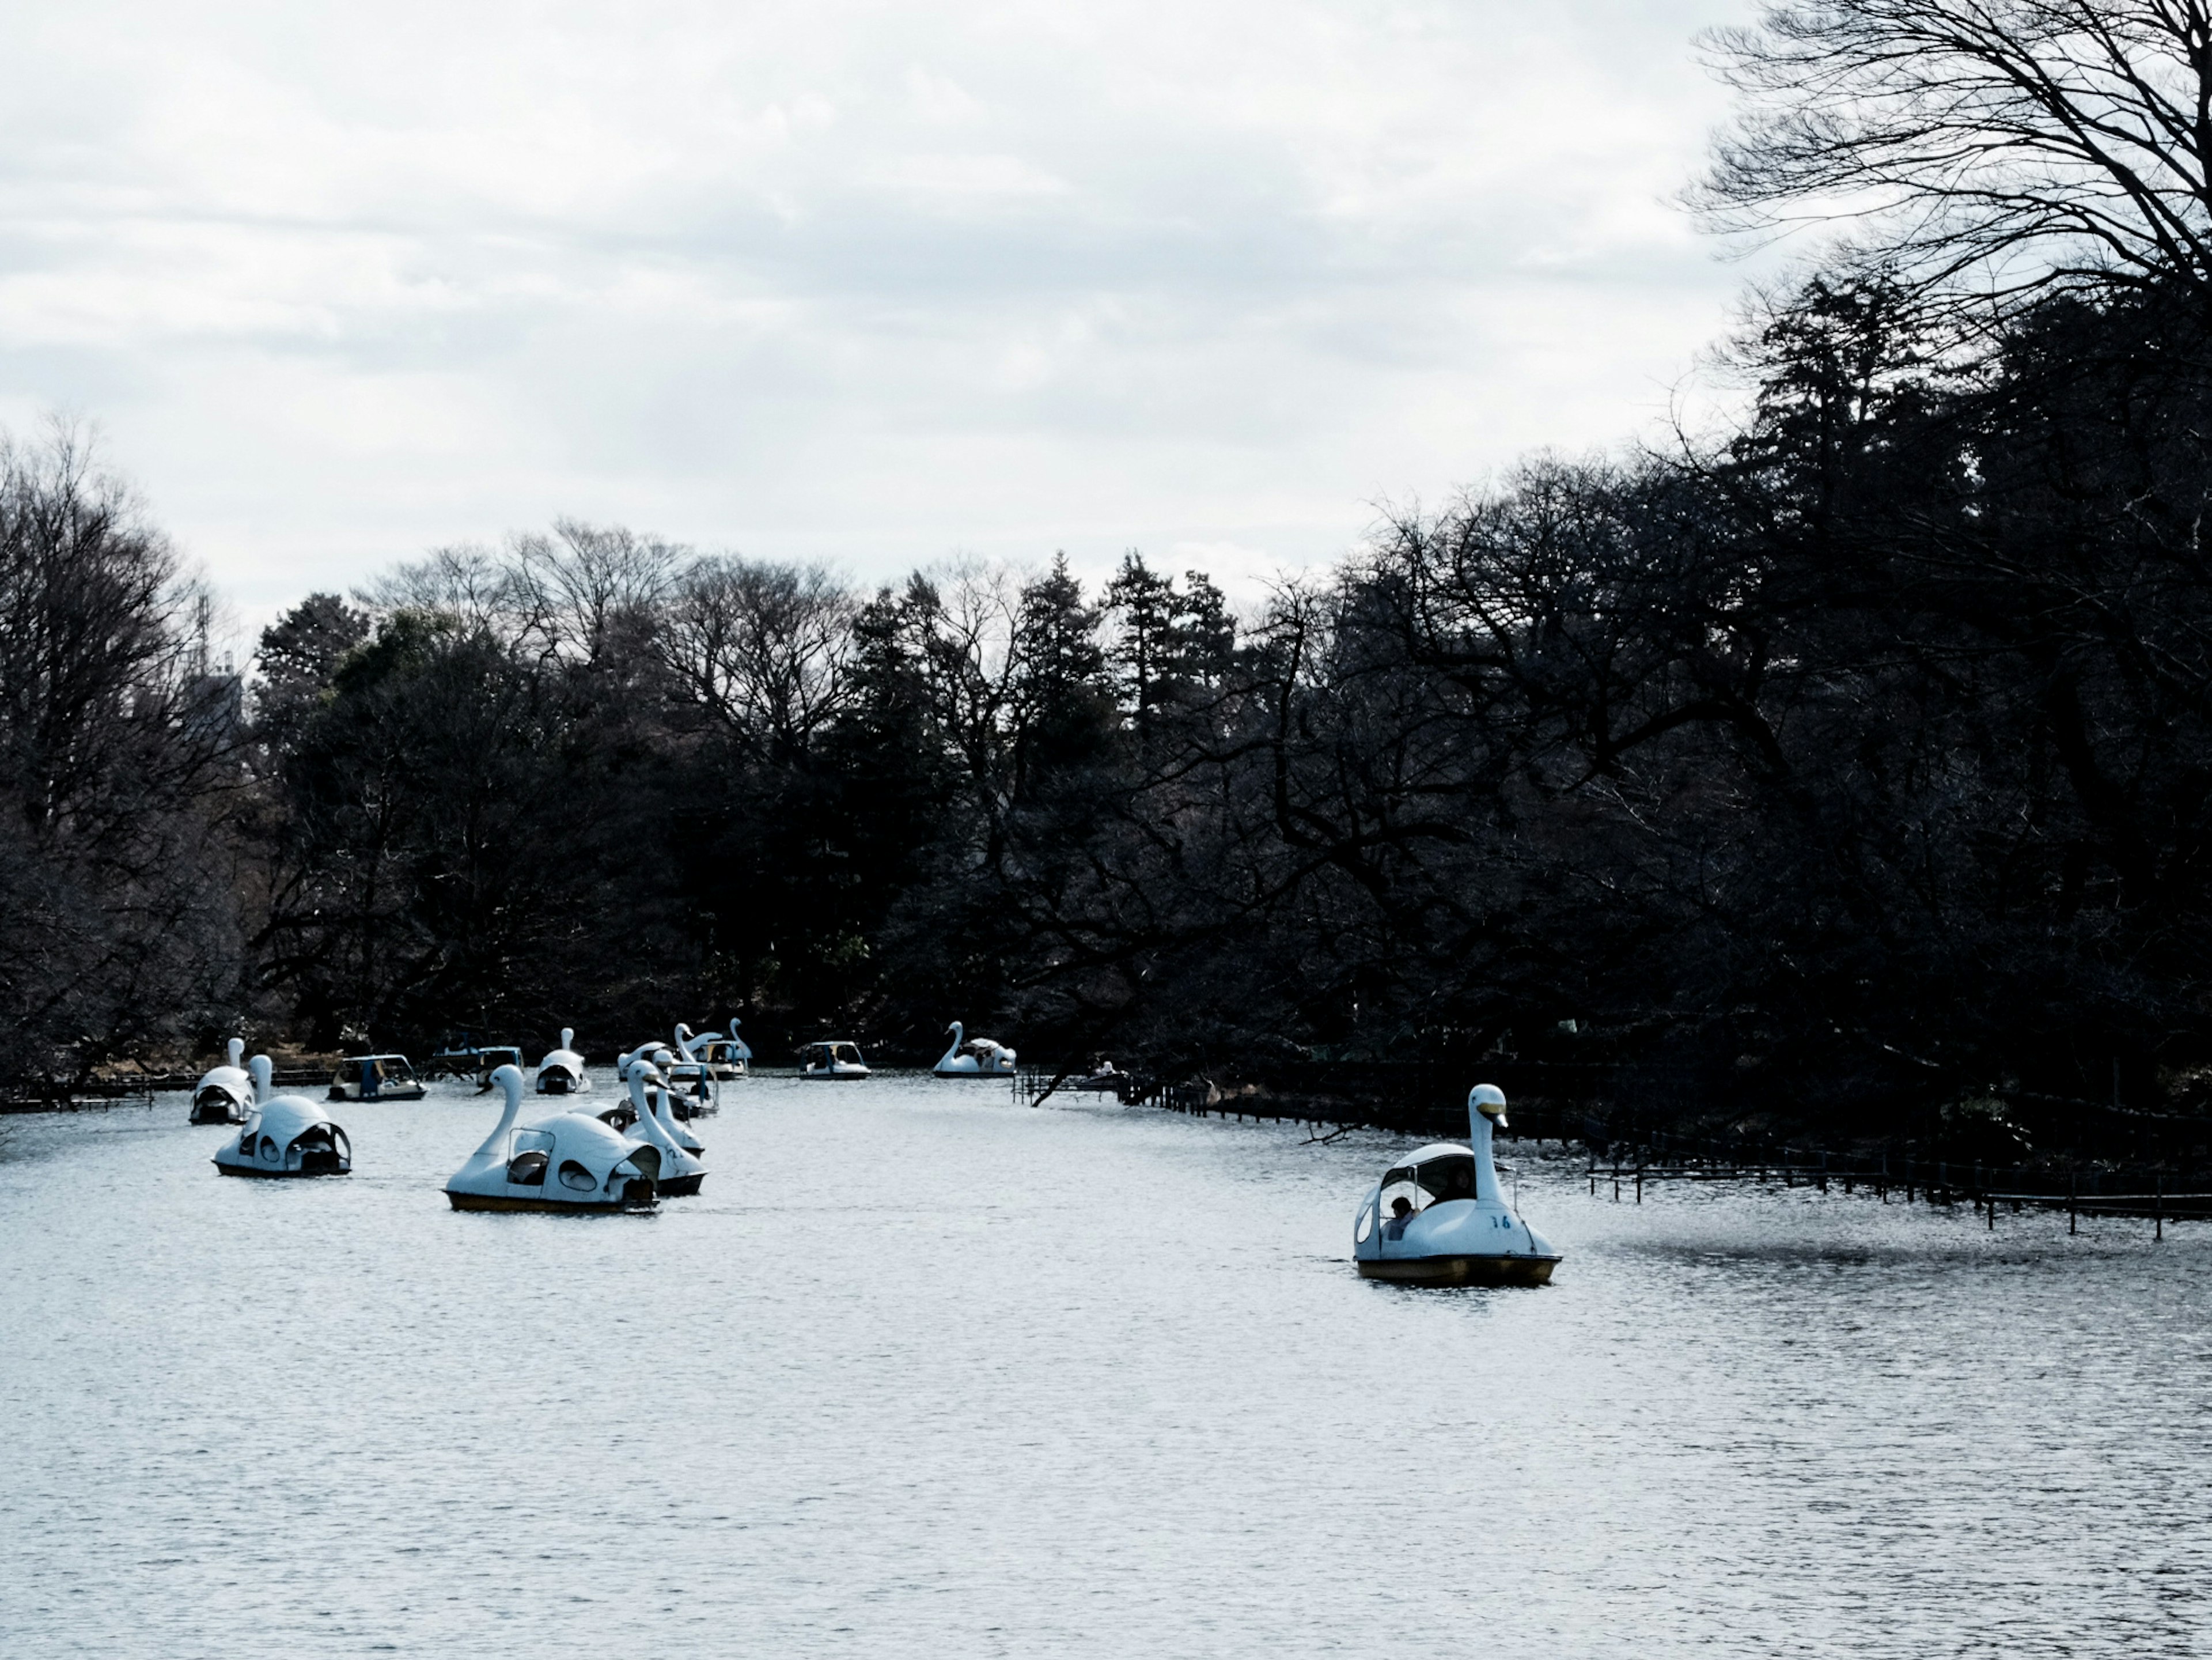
(762, 647)
(592, 586)
(117, 751)
(2004, 147)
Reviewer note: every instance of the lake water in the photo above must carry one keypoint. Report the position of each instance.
(923, 1372)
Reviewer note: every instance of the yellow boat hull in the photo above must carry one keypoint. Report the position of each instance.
(550, 1207)
(1459, 1270)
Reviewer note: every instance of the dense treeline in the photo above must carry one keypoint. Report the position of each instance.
(1854, 761)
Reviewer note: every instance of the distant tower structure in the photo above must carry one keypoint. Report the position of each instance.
(214, 698)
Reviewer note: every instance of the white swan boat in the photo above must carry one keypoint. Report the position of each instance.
(1437, 1218)
(694, 1086)
(833, 1059)
(567, 1162)
(974, 1057)
(225, 1095)
(375, 1077)
(728, 1056)
(672, 1090)
(284, 1135)
(682, 1170)
(561, 1071)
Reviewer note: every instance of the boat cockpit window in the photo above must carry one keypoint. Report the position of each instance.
(1429, 1183)
(533, 1150)
(575, 1176)
(320, 1148)
(269, 1148)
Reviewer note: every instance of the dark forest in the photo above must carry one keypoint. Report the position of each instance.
(1852, 762)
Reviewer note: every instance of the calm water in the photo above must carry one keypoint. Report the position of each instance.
(923, 1372)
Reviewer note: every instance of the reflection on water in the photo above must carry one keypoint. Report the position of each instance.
(925, 1372)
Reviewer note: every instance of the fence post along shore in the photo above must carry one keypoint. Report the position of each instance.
(1577, 1105)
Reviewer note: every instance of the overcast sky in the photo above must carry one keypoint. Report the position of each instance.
(865, 282)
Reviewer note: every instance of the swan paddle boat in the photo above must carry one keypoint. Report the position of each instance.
(726, 1057)
(1437, 1218)
(567, 1162)
(975, 1057)
(693, 1088)
(561, 1071)
(837, 1059)
(375, 1077)
(681, 1167)
(669, 1087)
(225, 1096)
(284, 1135)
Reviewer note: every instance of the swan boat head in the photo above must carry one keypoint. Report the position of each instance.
(1437, 1217)
(565, 1162)
(284, 1135)
(225, 1095)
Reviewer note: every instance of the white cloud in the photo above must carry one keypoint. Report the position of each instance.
(839, 279)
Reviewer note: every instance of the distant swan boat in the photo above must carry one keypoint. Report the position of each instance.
(375, 1077)
(225, 1095)
(975, 1057)
(284, 1135)
(681, 1168)
(568, 1162)
(730, 1056)
(837, 1059)
(1437, 1218)
(561, 1071)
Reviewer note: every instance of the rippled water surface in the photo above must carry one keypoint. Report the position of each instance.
(924, 1372)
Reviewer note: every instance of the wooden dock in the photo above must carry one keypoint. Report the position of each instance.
(90, 1094)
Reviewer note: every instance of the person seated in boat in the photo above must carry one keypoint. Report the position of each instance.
(1400, 1208)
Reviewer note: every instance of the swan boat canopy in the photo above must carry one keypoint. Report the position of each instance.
(375, 1077)
(561, 1071)
(225, 1096)
(284, 1135)
(975, 1057)
(835, 1058)
(682, 1170)
(1438, 1218)
(567, 1162)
